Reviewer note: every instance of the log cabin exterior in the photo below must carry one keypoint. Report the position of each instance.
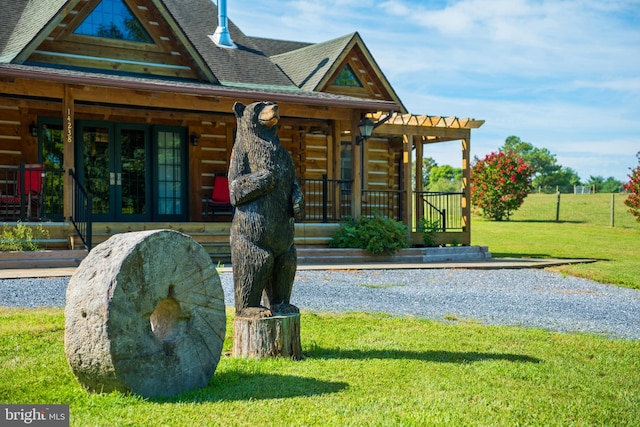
(130, 102)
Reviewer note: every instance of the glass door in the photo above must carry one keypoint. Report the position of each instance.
(134, 172)
(95, 165)
(132, 194)
(113, 164)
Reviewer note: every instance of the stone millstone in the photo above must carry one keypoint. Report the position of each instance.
(145, 314)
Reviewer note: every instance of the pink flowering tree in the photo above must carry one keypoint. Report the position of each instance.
(633, 187)
(499, 184)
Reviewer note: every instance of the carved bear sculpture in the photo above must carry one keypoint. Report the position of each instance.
(267, 199)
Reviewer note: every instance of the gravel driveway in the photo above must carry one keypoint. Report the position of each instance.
(526, 297)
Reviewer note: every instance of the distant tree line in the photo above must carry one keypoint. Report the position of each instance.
(549, 176)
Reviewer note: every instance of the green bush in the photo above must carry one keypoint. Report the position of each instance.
(429, 230)
(375, 235)
(21, 237)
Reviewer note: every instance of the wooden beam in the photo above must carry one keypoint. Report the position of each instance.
(419, 208)
(466, 190)
(68, 114)
(442, 133)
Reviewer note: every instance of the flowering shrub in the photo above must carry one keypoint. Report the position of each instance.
(499, 184)
(633, 187)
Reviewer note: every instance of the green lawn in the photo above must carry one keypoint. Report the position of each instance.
(583, 232)
(360, 369)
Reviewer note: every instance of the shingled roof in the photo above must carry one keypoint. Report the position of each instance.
(308, 65)
(20, 23)
(257, 62)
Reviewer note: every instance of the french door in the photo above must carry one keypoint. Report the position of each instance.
(133, 172)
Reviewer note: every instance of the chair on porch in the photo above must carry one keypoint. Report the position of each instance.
(219, 202)
(31, 190)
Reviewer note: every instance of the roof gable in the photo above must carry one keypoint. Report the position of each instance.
(162, 54)
(316, 68)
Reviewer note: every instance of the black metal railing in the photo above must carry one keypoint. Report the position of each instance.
(440, 210)
(326, 200)
(30, 192)
(383, 202)
(82, 208)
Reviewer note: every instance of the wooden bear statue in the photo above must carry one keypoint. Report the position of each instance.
(267, 199)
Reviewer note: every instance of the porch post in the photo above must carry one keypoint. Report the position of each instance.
(357, 154)
(69, 150)
(466, 190)
(419, 208)
(406, 184)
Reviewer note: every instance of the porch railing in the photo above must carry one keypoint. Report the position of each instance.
(440, 209)
(82, 207)
(326, 200)
(31, 193)
(385, 202)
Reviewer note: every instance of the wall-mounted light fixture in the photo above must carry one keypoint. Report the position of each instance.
(366, 127)
(33, 129)
(194, 139)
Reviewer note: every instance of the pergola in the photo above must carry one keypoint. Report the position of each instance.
(418, 130)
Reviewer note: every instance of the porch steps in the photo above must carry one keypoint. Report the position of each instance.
(331, 256)
(41, 259)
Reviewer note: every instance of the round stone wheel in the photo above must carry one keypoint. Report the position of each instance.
(145, 313)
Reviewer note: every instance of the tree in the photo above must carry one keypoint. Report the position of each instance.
(563, 181)
(548, 174)
(633, 187)
(427, 164)
(499, 184)
(445, 178)
(601, 185)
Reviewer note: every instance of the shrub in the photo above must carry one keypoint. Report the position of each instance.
(375, 235)
(633, 187)
(429, 230)
(21, 237)
(499, 184)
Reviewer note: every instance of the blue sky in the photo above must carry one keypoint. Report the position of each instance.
(562, 75)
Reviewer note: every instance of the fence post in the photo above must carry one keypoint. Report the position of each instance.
(613, 209)
(558, 207)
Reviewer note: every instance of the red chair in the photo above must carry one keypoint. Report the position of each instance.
(219, 203)
(31, 190)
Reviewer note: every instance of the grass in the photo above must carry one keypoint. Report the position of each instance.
(369, 369)
(360, 369)
(583, 233)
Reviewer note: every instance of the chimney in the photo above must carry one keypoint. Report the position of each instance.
(221, 37)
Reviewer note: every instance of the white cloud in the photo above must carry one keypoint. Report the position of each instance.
(561, 74)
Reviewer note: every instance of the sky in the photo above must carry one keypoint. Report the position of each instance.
(560, 74)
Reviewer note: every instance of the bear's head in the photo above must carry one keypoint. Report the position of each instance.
(262, 114)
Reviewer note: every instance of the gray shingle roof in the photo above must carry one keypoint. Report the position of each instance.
(308, 65)
(21, 21)
(271, 47)
(258, 63)
(245, 65)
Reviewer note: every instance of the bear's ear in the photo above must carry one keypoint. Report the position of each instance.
(238, 108)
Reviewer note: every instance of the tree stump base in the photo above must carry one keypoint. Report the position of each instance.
(276, 336)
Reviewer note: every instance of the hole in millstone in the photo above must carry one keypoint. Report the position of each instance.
(165, 319)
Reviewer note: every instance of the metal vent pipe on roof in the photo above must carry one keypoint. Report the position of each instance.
(221, 37)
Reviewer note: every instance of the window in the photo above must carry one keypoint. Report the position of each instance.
(347, 77)
(170, 173)
(112, 19)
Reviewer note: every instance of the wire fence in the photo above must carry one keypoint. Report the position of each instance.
(598, 209)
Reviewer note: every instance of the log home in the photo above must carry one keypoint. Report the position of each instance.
(116, 115)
